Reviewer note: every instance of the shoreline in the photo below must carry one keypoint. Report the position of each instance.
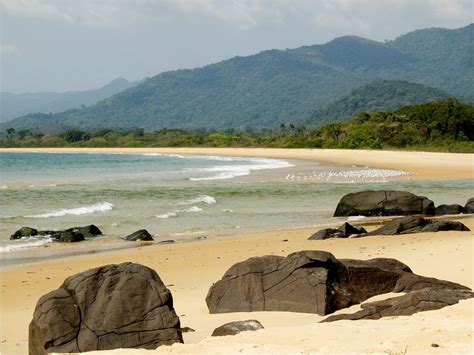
(189, 269)
(423, 165)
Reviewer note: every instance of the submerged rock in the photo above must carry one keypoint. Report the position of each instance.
(89, 231)
(110, 307)
(139, 235)
(67, 236)
(71, 235)
(383, 203)
(233, 328)
(312, 282)
(449, 209)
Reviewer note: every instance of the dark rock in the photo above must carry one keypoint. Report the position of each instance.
(469, 207)
(110, 307)
(405, 305)
(187, 330)
(348, 229)
(327, 233)
(233, 328)
(383, 203)
(169, 241)
(24, 232)
(448, 209)
(89, 231)
(139, 235)
(401, 226)
(67, 236)
(437, 226)
(343, 231)
(312, 282)
(407, 225)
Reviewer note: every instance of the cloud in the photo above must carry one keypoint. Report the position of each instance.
(244, 14)
(9, 50)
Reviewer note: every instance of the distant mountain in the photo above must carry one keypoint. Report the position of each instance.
(380, 95)
(15, 105)
(277, 86)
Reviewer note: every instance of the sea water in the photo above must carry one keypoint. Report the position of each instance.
(183, 197)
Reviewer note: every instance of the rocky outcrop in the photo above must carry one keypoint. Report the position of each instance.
(233, 328)
(407, 225)
(449, 209)
(139, 235)
(24, 232)
(110, 307)
(405, 305)
(343, 231)
(312, 282)
(469, 207)
(383, 203)
(71, 235)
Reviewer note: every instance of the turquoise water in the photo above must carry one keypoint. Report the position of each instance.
(174, 196)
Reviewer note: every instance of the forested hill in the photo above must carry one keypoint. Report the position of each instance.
(380, 95)
(15, 105)
(277, 86)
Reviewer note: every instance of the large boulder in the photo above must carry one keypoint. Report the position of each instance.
(24, 232)
(312, 282)
(469, 207)
(449, 209)
(89, 231)
(343, 231)
(139, 235)
(68, 236)
(110, 307)
(233, 328)
(405, 305)
(383, 203)
(438, 226)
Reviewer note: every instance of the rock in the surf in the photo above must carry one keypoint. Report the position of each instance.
(24, 232)
(449, 209)
(139, 235)
(312, 282)
(233, 328)
(405, 305)
(68, 236)
(469, 207)
(383, 203)
(89, 231)
(110, 307)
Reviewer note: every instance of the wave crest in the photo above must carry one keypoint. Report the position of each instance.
(98, 207)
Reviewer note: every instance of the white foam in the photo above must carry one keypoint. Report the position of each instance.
(176, 212)
(351, 176)
(200, 199)
(193, 209)
(36, 243)
(98, 207)
(355, 218)
(167, 215)
(164, 155)
(231, 171)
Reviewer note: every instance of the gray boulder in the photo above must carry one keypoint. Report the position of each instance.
(233, 328)
(24, 232)
(110, 307)
(139, 235)
(448, 209)
(383, 203)
(469, 207)
(311, 282)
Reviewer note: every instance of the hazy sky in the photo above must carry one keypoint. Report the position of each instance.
(61, 45)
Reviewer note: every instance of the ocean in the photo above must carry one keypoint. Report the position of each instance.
(184, 197)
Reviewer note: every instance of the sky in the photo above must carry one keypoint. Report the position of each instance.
(64, 45)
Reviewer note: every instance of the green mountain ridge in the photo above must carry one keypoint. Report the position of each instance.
(379, 95)
(275, 86)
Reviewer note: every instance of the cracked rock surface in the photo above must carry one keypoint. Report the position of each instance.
(114, 306)
(313, 282)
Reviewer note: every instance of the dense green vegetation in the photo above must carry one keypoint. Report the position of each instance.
(376, 96)
(444, 125)
(276, 86)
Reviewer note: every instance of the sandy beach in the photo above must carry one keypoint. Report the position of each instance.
(424, 165)
(189, 269)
